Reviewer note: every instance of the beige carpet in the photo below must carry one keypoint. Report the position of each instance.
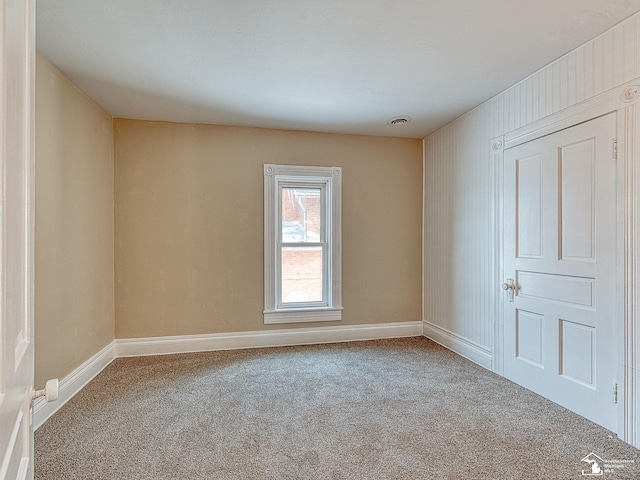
(389, 409)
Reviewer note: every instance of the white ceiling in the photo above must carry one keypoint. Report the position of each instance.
(344, 66)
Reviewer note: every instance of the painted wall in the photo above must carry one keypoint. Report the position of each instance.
(459, 287)
(74, 297)
(189, 225)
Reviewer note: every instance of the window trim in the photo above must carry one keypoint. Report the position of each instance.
(329, 179)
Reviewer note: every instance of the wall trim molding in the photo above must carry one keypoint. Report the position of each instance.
(497, 158)
(460, 345)
(132, 347)
(594, 107)
(602, 104)
(627, 263)
(72, 384)
(624, 101)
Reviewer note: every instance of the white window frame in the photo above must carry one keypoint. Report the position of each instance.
(329, 181)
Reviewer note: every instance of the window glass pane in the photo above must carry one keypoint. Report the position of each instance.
(301, 274)
(301, 215)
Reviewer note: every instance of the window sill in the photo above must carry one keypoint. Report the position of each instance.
(303, 315)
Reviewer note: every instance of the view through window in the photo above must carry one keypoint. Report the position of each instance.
(303, 245)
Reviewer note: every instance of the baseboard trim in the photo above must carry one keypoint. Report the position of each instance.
(458, 344)
(133, 347)
(72, 384)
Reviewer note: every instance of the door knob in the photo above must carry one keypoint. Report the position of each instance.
(510, 287)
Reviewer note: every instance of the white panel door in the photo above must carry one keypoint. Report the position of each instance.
(559, 250)
(16, 238)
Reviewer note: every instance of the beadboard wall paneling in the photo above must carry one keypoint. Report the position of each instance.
(459, 219)
(458, 229)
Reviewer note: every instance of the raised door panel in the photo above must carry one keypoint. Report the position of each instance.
(529, 197)
(530, 337)
(577, 353)
(576, 201)
(557, 288)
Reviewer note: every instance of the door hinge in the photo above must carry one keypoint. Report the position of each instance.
(615, 148)
(615, 393)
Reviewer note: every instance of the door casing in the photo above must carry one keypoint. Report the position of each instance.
(625, 102)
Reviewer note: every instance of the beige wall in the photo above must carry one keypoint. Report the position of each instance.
(74, 305)
(189, 225)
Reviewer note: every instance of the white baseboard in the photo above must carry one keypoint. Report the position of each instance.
(133, 347)
(72, 384)
(460, 345)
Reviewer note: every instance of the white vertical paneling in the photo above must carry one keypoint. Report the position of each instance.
(589, 88)
(459, 173)
(548, 74)
(607, 61)
(628, 48)
(617, 52)
(495, 107)
(563, 85)
(512, 111)
(456, 197)
(529, 101)
(555, 87)
(535, 92)
(617, 46)
(521, 99)
(506, 110)
(571, 88)
(636, 45)
(598, 70)
(580, 75)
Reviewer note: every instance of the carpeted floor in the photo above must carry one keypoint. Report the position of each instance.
(388, 409)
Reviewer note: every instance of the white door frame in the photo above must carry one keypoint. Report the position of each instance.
(625, 101)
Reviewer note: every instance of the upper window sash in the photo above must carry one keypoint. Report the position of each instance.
(285, 183)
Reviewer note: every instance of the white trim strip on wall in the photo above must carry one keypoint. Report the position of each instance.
(72, 384)
(459, 345)
(270, 338)
(133, 347)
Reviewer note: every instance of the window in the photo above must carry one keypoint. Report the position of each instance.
(302, 251)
